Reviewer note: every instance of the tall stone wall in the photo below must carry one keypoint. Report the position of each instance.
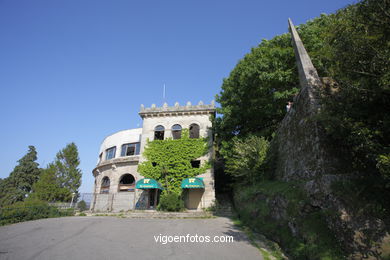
(303, 155)
(300, 142)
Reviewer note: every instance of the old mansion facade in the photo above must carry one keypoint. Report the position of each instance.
(119, 186)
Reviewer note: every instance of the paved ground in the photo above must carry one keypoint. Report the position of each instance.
(121, 238)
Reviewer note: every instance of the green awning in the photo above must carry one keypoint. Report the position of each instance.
(148, 184)
(192, 183)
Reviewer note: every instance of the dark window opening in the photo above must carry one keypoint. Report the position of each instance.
(194, 131)
(130, 149)
(105, 187)
(127, 183)
(100, 157)
(195, 164)
(110, 153)
(176, 131)
(159, 132)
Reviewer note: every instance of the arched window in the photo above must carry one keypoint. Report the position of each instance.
(194, 131)
(127, 182)
(105, 187)
(176, 131)
(159, 132)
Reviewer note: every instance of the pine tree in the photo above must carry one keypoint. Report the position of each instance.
(20, 181)
(48, 187)
(67, 171)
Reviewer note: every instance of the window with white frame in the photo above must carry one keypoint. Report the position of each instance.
(130, 149)
(110, 153)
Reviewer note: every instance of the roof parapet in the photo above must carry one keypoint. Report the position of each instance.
(200, 107)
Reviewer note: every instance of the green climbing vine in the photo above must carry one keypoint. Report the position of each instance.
(169, 161)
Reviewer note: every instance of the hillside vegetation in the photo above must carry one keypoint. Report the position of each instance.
(351, 48)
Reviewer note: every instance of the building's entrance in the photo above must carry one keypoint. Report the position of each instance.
(154, 196)
(194, 198)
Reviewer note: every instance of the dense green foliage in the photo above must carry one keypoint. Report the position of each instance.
(170, 201)
(48, 187)
(352, 48)
(30, 210)
(357, 116)
(316, 240)
(82, 205)
(25, 194)
(19, 184)
(67, 171)
(246, 159)
(169, 161)
(53, 184)
(254, 96)
(61, 178)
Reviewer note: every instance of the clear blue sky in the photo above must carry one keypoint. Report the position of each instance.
(77, 71)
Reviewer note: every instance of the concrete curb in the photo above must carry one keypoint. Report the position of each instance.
(155, 214)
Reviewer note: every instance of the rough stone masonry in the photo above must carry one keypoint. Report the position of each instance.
(302, 155)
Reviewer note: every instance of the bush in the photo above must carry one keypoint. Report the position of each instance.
(246, 158)
(82, 206)
(170, 202)
(30, 210)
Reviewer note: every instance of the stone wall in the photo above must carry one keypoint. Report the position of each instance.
(303, 157)
(185, 116)
(115, 168)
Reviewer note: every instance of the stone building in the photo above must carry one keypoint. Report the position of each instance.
(118, 184)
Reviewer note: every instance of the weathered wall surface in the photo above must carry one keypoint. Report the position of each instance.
(120, 165)
(302, 157)
(184, 116)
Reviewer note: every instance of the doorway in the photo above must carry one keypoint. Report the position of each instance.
(194, 198)
(154, 197)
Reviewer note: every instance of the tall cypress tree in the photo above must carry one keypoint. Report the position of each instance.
(20, 181)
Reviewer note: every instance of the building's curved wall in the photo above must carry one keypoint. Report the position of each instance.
(114, 169)
(118, 139)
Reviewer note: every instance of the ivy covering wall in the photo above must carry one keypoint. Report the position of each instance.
(169, 161)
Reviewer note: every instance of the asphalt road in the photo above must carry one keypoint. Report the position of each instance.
(122, 238)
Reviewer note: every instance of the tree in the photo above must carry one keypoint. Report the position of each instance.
(48, 187)
(8, 193)
(169, 161)
(246, 162)
(66, 166)
(254, 96)
(357, 117)
(20, 181)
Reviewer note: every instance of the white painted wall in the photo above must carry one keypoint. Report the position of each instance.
(118, 139)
